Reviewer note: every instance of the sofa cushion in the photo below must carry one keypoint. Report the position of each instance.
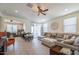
(68, 41)
(66, 51)
(76, 42)
(67, 46)
(49, 35)
(66, 37)
(73, 37)
(49, 40)
(60, 35)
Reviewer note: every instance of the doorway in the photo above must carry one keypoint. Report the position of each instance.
(36, 30)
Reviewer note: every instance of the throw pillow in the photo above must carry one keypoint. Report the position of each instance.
(68, 41)
(76, 42)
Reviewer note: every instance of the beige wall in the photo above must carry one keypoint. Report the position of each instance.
(59, 20)
(2, 26)
(26, 23)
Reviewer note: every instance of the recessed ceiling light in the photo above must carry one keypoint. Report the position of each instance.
(66, 9)
(16, 11)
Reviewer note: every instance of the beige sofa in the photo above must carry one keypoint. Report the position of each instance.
(49, 41)
(66, 42)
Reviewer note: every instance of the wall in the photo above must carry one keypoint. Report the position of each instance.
(27, 26)
(60, 19)
(2, 26)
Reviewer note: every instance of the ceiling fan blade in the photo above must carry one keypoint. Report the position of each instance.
(43, 13)
(38, 13)
(39, 9)
(30, 5)
(45, 10)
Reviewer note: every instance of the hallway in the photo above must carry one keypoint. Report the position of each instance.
(23, 47)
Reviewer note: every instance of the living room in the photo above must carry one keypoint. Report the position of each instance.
(28, 28)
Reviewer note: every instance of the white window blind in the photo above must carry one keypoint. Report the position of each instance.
(70, 25)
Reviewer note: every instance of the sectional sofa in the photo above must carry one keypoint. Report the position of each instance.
(66, 40)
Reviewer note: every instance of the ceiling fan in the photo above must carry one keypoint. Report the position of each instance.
(39, 9)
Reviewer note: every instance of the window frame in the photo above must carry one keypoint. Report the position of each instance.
(64, 25)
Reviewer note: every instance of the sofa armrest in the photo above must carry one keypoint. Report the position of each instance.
(67, 46)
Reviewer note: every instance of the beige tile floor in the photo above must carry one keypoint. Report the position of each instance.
(23, 47)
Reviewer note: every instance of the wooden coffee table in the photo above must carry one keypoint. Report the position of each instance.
(55, 50)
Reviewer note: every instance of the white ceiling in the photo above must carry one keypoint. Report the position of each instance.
(21, 10)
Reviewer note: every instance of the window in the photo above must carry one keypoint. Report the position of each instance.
(11, 28)
(70, 25)
(14, 28)
(45, 27)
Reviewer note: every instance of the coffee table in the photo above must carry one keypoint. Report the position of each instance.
(55, 50)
